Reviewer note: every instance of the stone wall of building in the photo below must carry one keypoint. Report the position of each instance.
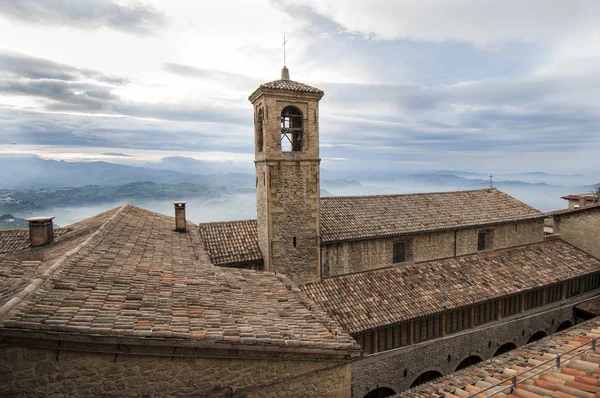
(288, 187)
(581, 229)
(398, 369)
(353, 256)
(43, 372)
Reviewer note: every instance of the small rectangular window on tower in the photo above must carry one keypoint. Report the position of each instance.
(294, 241)
(399, 252)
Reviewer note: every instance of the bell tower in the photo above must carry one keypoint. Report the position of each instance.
(286, 141)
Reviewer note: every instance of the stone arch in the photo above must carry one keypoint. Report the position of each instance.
(468, 361)
(425, 377)
(537, 336)
(260, 131)
(504, 348)
(291, 129)
(380, 392)
(563, 326)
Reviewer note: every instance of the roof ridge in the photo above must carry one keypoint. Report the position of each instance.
(226, 222)
(314, 308)
(411, 194)
(37, 282)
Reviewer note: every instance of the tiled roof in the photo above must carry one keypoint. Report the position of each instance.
(364, 217)
(357, 217)
(18, 239)
(231, 243)
(591, 307)
(291, 85)
(134, 277)
(577, 210)
(372, 299)
(19, 268)
(578, 377)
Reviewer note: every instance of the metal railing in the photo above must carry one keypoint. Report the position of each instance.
(558, 361)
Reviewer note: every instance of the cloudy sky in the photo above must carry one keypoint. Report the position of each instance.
(493, 86)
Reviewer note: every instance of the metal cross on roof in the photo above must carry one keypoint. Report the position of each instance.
(284, 41)
(491, 181)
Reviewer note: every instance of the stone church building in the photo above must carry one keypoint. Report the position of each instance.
(361, 296)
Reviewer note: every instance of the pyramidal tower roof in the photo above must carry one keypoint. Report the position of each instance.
(286, 84)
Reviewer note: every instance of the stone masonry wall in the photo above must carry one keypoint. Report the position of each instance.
(35, 372)
(294, 214)
(346, 257)
(397, 369)
(581, 229)
(288, 187)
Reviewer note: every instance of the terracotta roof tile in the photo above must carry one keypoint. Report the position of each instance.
(591, 307)
(135, 277)
(18, 239)
(231, 243)
(291, 85)
(356, 217)
(577, 210)
(372, 299)
(577, 377)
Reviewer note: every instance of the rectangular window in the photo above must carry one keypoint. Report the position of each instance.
(481, 241)
(399, 252)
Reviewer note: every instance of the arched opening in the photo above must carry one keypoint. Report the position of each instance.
(469, 361)
(291, 129)
(563, 326)
(380, 392)
(259, 131)
(504, 348)
(537, 336)
(425, 377)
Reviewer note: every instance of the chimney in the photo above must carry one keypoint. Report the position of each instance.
(180, 216)
(41, 231)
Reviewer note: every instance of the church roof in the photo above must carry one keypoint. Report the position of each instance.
(373, 299)
(291, 85)
(231, 243)
(578, 377)
(18, 239)
(126, 275)
(364, 217)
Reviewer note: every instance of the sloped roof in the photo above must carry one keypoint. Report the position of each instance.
(360, 217)
(367, 217)
(579, 377)
(291, 85)
(577, 210)
(134, 278)
(231, 243)
(372, 299)
(18, 239)
(591, 307)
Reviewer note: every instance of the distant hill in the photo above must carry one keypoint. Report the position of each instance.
(32, 172)
(8, 221)
(38, 199)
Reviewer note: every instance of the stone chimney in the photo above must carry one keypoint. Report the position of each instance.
(41, 231)
(180, 216)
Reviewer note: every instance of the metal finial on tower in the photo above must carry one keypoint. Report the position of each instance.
(491, 180)
(284, 41)
(285, 73)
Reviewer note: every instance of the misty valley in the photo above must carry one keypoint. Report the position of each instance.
(72, 191)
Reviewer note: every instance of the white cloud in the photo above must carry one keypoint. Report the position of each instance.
(483, 23)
